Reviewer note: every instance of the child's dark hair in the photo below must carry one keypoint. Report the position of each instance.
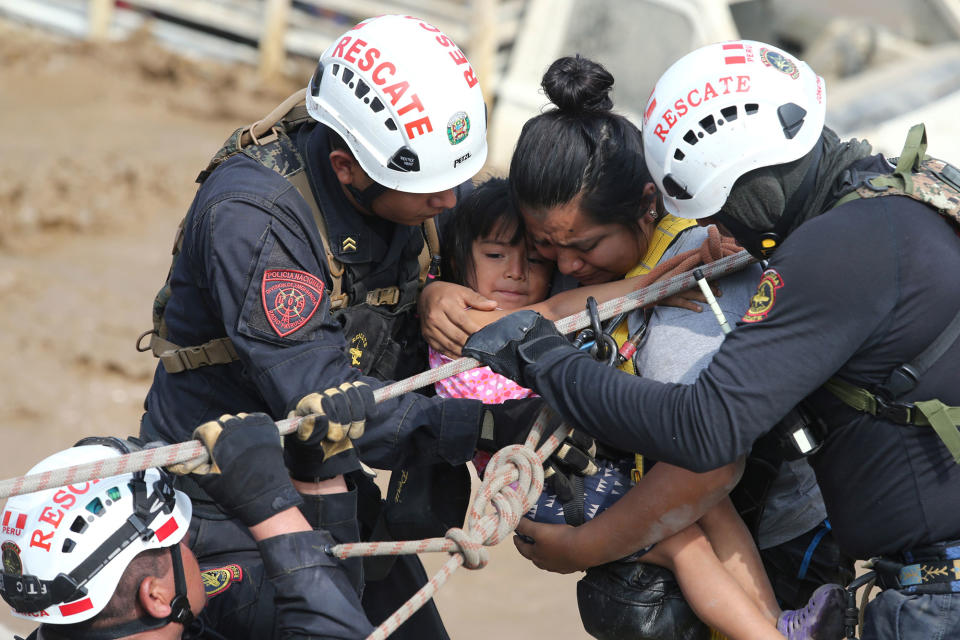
(486, 209)
(581, 148)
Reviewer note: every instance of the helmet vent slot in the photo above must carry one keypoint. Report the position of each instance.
(751, 108)
(729, 113)
(315, 80)
(95, 507)
(679, 155)
(674, 189)
(79, 524)
(362, 88)
(68, 545)
(390, 124)
(690, 137)
(347, 76)
(709, 125)
(376, 106)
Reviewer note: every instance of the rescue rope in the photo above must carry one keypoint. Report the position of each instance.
(194, 450)
(512, 483)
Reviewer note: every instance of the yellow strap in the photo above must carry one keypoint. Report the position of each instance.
(665, 233)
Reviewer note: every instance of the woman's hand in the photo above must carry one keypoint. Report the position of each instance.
(555, 547)
(686, 300)
(444, 321)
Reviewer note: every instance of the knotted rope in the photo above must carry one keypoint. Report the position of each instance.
(519, 464)
(511, 485)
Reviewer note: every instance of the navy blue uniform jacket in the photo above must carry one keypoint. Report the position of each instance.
(247, 222)
(854, 292)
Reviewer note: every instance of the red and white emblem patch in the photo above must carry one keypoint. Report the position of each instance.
(765, 297)
(290, 298)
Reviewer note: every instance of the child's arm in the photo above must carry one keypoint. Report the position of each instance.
(567, 303)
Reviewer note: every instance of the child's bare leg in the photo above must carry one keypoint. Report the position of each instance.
(734, 546)
(712, 593)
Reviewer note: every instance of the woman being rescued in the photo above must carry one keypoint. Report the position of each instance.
(575, 176)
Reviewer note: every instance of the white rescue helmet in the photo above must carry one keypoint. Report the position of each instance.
(722, 111)
(65, 549)
(406, 101)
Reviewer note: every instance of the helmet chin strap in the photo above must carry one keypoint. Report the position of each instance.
(180, 611)
(365, 197)
(761, 244)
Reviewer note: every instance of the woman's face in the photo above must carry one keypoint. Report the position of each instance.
(514, 275)
(590, 252)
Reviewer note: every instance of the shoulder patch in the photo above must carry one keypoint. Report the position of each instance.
(290, 298)
(763, 300)
(216, 581)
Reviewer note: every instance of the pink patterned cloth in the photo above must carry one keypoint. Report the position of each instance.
(477, 384)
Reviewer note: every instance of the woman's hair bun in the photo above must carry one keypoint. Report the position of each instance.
(578, 85)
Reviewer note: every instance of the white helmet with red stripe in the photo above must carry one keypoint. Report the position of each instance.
(65, 549)
(723, 111)
(406, 101)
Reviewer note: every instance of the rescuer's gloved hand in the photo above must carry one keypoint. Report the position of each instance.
(511, 343)
(510, 422)
(322, 445)
(245, 474)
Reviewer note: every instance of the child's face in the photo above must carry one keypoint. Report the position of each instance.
(513, 275)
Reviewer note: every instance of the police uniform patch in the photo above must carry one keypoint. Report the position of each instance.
(12, 565)
(290, 298)
(458, 127)
(357, 344)
(779, 62)
(762, 301)
(216, 581)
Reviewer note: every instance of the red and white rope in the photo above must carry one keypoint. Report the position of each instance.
(485, 527)
(499, 503)
(193, 450)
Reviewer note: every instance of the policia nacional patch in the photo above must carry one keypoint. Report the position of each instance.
(290, 298)
(763, 300)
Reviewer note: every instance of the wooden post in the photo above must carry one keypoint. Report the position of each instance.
(272, 41)
(100, 13)
(483, 46)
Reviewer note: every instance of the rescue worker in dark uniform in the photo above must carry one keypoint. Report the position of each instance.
(297, 269)
(856, 317)
(129, 572)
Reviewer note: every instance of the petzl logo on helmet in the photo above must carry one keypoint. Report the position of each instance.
(216, 581)
(290, 298)
(779, 62)
(458, 127)
(763, 300)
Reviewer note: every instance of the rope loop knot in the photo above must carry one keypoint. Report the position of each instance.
(475, 555)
